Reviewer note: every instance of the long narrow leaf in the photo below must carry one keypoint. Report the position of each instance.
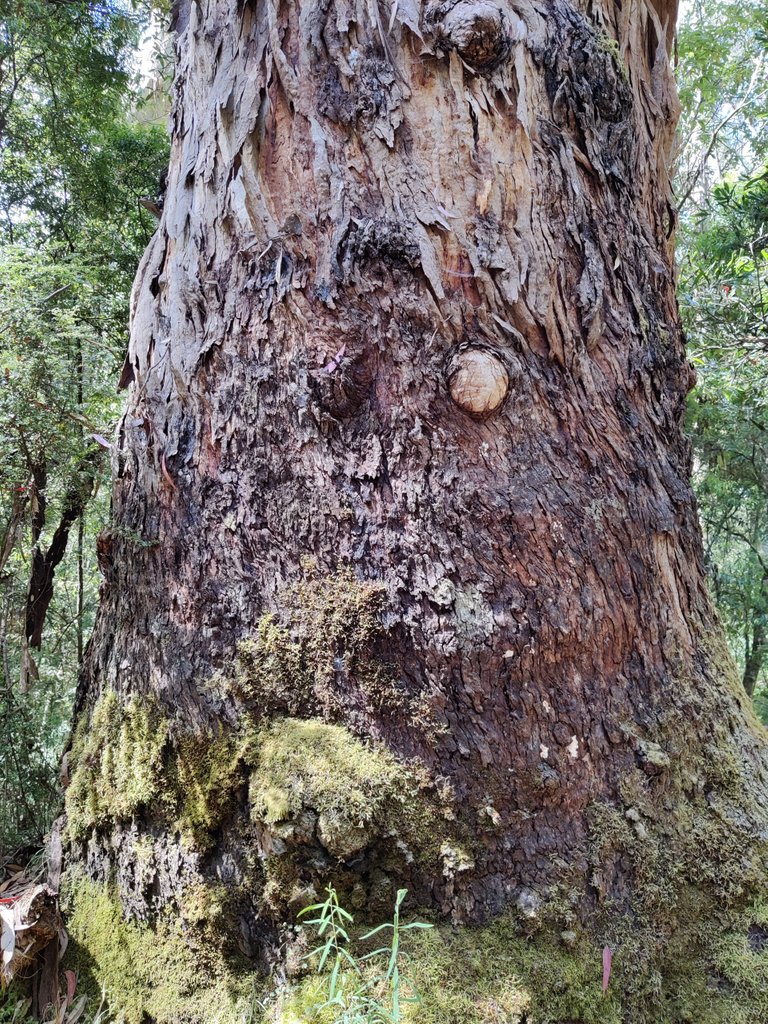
(375, 931)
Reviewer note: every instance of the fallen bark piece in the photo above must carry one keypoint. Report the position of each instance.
(30, 920)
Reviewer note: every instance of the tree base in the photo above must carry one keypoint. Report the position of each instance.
(712, 968)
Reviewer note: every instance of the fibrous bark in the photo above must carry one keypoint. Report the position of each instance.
(403, 455)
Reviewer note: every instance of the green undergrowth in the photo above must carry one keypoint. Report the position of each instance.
(489, 975)
(500, 973)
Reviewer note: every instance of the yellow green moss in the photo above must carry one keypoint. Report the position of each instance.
(270, 667)
(488, 975)
(347, 792)
(204, 776)
(122, 760)
(709, 972)
(331, 622)
(160, 973)
(330, 626)
(690, 864)
(611, 47)
(115, 762)
(336, 613)
(357, 792)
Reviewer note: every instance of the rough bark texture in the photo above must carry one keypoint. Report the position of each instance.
(410, 314)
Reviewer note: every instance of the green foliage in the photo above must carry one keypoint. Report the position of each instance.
(60, 132)
(73, 161)
(723, 183)
(367, 988)
(723, 83)
(54, 393)
(14, 1009)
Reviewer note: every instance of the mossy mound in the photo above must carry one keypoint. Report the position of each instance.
(346, 792)
(161, 973)
(356, 792)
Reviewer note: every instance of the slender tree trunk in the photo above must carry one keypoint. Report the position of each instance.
(402, 465)
(758, 646)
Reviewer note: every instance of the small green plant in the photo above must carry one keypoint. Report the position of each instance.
(367, 989)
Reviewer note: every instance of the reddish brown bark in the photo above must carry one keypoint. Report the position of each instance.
(373, 231)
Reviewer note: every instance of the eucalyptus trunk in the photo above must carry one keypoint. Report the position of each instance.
(404, 585)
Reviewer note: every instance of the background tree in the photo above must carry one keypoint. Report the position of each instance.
(404, 582)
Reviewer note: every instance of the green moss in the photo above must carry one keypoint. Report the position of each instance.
(332, 621)
(331, 625)
(611, 47)
(204, 776)
(675, 859)
(684, 851)
(162, 973)
(488, 975)
(123, 760)
(115, 762)
(496, 974)
(299, 1004)
(317, 782)
(270, 667)
(709, 972)
(479, 975)
(336, 615)
(356, 792)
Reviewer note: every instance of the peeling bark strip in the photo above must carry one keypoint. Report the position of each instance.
(410, 309)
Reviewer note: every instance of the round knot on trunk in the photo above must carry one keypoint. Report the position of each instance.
(478, 32)
(478, 381)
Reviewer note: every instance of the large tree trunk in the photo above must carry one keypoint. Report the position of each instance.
(402, 466)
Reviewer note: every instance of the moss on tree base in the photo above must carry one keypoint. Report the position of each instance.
(512, 971)
(671, 878)
(165, 973)
(712, 970)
